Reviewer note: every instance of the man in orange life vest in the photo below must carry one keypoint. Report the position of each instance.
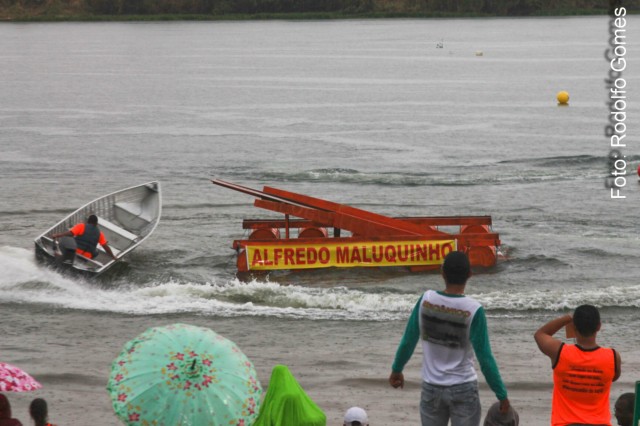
(582, 373)
(87, 237)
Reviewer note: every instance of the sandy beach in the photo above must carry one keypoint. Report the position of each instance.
(352, 370)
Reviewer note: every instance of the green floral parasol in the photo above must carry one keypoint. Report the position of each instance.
(182, 375)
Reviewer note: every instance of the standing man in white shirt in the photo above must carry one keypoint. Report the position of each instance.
(451, 327)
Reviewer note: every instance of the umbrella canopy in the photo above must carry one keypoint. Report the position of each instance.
(182, 375)
(287, 404)
(13, 379)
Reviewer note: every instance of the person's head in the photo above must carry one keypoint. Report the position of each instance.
(456, 268)
(624, 408)
(93, 219)
(38, 411)
(586, 319)
(5, 407)
(496, 418)
(356, 416)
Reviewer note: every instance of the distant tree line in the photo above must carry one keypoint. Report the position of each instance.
(222, 7)
(348, 7)
(218, 7)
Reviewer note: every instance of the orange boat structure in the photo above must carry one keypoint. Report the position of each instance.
(359, 238)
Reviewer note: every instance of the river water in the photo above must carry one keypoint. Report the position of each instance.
(370, 113)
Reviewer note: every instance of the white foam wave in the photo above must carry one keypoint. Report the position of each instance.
(27, 282)
(23, 281)
(562, 298)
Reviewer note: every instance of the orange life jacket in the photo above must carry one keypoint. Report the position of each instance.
(581, 383)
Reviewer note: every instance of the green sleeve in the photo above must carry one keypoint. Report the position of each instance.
(409, 340)
(480, 340)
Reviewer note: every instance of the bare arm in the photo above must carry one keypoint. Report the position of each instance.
(109, 252)
(544, 336)
(618, 367)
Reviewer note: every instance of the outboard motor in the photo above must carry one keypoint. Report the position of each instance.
(67, 247)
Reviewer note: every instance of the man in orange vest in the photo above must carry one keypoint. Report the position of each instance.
(582, 373)
(87, 237)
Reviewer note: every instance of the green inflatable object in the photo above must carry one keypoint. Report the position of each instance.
(287, 404)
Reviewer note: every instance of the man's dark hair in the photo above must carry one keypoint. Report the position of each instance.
(628, 398)
(93, 219)
(624, 408)
(586, 318)
(38, 411)
(456, 268)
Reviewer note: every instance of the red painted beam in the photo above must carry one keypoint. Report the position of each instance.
(361, 222)
(363, 227)
(423, 221)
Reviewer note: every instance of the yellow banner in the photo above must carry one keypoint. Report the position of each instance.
(347, 255)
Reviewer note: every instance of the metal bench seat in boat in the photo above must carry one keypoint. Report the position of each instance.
(133, 215)
(118, 238)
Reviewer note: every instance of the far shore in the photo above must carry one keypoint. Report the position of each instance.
(11, 16)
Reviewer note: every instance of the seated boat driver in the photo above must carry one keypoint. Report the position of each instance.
(87, 236)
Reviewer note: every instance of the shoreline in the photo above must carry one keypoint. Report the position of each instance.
(338, 363)
(5, 16)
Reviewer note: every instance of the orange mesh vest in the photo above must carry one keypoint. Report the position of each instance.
(581, 383)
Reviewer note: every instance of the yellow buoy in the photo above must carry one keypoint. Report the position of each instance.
(563, 98)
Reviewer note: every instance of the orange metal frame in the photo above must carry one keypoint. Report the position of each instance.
(474, 234)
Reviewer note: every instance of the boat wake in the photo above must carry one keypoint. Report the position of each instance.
(25, 282)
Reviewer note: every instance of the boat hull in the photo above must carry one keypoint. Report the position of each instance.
(126, 217)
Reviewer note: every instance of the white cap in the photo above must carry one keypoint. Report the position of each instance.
(356, 414)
